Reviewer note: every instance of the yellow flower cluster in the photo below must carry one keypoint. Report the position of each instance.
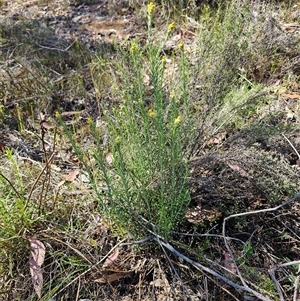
(150, 8)
(171, 27)
(133, 47)
(177, 120)
(151, 113)
(90, 120)
(181, 45)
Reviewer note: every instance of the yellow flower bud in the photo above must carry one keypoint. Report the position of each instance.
(151, 113)
(133, 47)
(150, 8)
(171, 27)
(181, 44)
(177, 120)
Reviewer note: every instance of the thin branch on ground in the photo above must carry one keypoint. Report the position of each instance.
(163, 242)
(212, 272)
(249, 213)
(272, 275)
(243, 287)
(293, 147)
(296, 285)
(277, 285)
(208, 235)
(173, 268)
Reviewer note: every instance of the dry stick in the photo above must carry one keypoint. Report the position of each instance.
(11, 185)
(48, 170)
(173, 268)
(228, 271)
(78, 290)
(287, 264)
(136, 242)
(295, 297)
(215, 282)
(212, 272)
(248, 213)
(220, 266)
(208, 235)
(287, 227)
(37, 179)
(293, 147)
(162, 241)
(69, 246)
(272, 275)
(57, 49)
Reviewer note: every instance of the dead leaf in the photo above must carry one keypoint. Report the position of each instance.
(291, 96)
(187, 33)
(36, 259)
(200, 213)
(59, 79)
(72, 175)
(71, 113)
(113, 277)
(110, 259)
(238, 169)
(229, 262)
(2, 147)
(109, 158)
(47, 125)
(159, 283)
(217, 139)
(276, 82)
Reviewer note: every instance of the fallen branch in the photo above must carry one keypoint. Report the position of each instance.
(271, 272)
(168, 246)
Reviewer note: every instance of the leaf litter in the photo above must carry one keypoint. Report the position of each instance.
(36, 260)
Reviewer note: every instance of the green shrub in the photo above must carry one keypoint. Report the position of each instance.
(147, 132)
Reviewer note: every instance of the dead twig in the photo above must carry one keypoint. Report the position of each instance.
(279, 290)
(245, 286)
(11, 185)
(293, 147)
(296, 290)
(155, 237)
(272, 275)
(38, 178)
